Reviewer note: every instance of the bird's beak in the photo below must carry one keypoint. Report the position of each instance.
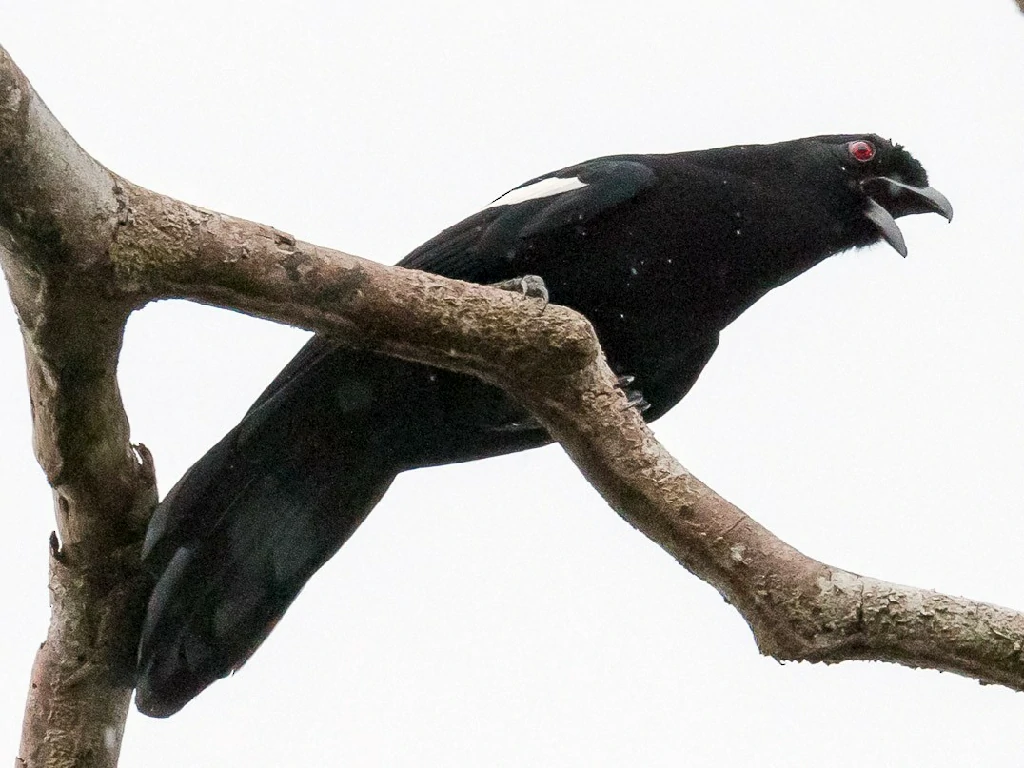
(889, 199)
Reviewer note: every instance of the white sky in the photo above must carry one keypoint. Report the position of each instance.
(499, 614)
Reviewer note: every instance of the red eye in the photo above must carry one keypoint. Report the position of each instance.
(861, 151)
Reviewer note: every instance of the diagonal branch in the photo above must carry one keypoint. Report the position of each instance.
(82, 247)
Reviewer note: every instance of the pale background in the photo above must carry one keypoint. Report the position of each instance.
(499, 614)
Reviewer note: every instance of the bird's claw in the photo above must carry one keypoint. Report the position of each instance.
(531, 286)
(634, 398)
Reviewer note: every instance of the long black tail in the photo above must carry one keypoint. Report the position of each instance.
(235, 540)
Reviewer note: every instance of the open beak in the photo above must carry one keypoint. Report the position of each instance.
(900, 200)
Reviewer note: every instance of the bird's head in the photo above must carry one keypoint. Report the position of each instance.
(888, 182)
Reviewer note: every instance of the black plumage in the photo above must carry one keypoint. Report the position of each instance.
(660, 252)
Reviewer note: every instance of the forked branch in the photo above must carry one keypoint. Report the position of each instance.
(81, 248)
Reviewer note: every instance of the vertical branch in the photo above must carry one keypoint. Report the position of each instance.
(82, 676)
(58, 215)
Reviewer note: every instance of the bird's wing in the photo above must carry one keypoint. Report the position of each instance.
(484, 247)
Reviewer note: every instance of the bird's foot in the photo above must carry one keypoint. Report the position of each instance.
(531, 286)
(634, 398)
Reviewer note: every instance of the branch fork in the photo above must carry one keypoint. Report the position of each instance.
(82, 248)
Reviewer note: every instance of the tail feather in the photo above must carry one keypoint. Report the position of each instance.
(236, 539)
(218, 595)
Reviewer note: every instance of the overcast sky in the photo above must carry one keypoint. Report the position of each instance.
(499, 613)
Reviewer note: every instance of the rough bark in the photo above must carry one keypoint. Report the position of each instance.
(58, 215)
(81, 248)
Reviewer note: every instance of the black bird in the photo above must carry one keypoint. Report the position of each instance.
(660, 252)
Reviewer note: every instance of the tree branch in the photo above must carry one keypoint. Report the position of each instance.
(81, 248)
(57, 213)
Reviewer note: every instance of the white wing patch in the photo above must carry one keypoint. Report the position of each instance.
(543, 188)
